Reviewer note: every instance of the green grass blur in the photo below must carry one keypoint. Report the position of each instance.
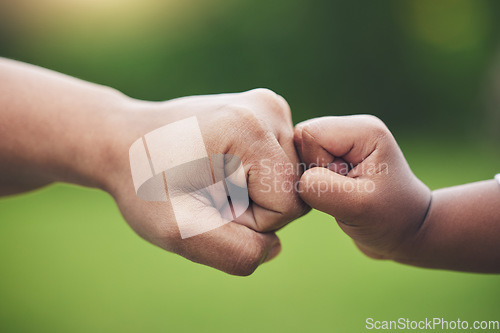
(69, 263)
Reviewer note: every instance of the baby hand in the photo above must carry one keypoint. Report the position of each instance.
(357, 173)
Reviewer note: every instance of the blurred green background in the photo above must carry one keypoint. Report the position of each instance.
(430, 69)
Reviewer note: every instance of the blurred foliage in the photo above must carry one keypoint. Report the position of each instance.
(423, 66)
(69, 263)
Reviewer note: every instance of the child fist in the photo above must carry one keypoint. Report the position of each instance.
(357, 173)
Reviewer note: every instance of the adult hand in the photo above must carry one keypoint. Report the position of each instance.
(57, 128)
(255, 127)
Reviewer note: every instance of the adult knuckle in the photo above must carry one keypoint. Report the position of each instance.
(375, 125)
(282, 105)
(242, 113)
(249, 257)
(247, 124)
(376, 122)
(264, 93)
(246, 116)
(290, 215)
(274, 102)
(301, 209)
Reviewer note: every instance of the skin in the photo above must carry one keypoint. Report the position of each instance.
(56, 128)
(385, 208)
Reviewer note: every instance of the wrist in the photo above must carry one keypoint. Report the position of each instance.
(94, 144)
(127, 120)
(411, 250)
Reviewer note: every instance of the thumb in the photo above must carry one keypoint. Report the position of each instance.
(335, 194)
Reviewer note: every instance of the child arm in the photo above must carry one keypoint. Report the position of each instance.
(358, 174)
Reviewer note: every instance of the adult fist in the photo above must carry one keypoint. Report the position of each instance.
(254, 128)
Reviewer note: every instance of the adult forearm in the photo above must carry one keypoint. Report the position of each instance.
(54, 128)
